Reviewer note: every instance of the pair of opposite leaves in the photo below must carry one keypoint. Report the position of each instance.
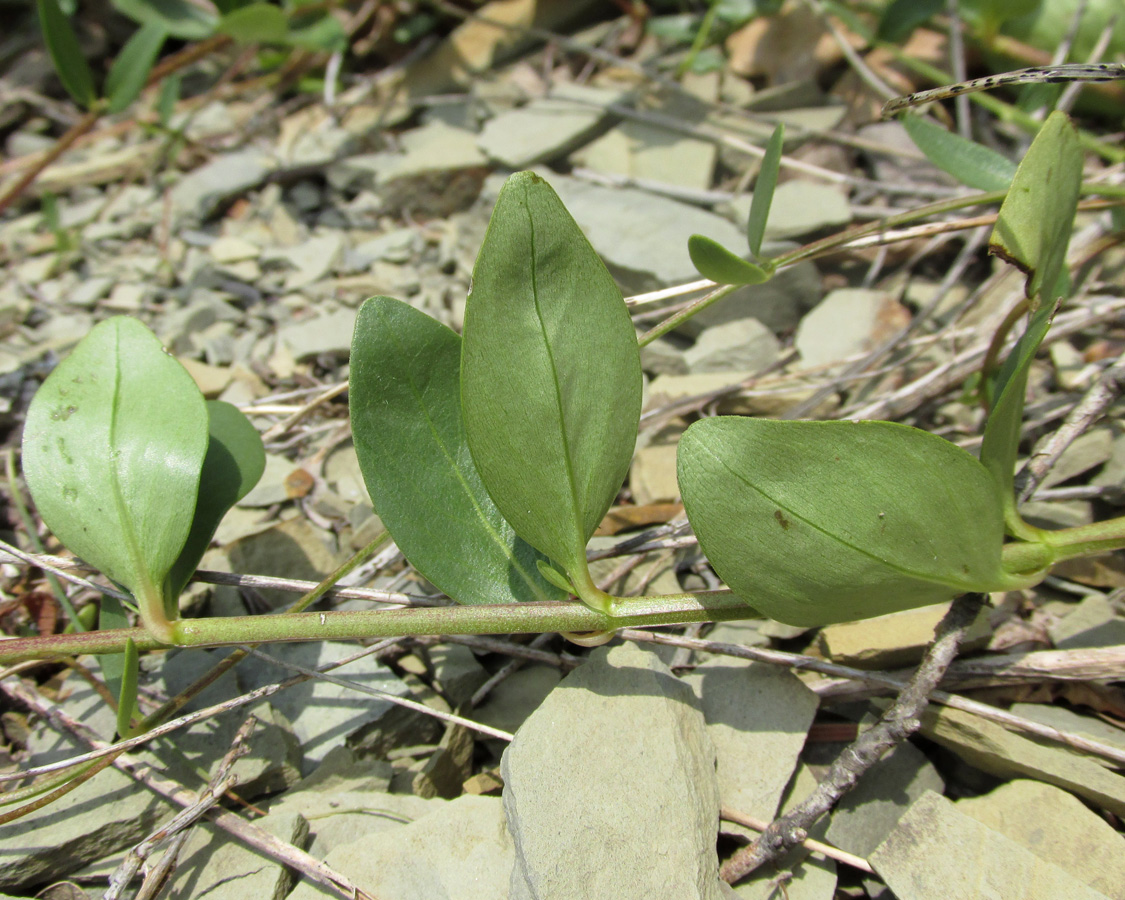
(489, 455)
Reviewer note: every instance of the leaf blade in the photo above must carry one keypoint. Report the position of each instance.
(66, 53)
(970, 163)
(550, 374)
(130, 70)
(1033, 228)
(112, 452)
(819, 522)
(762, 198)
(406, 422)
(233, 464)
(716, 262)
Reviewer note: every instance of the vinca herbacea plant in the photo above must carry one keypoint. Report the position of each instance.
(492, 456)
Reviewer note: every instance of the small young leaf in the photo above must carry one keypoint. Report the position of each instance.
(66, 53)
(257, 23)
(235, 461)
(405, 399)
(970, 163)
(129, 72)
(1036, 218)
(1000, 444)
(182, 19)
(820, 522)
(550, 376)
(112, 614)
(764, 187)
(553, 575)
(112, 452)
(716, 262)
(127, 694)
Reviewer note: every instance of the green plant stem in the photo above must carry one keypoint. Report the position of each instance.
(683, 315)
(518, 618)
(1066, 543)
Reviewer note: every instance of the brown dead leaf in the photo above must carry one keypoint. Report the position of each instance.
(625, 518)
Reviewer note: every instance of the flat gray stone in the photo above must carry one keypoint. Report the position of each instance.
(516, 697)
(743, 345)
(938, 851)
(545, 129)
(457, 672)
(1067, 720)
(312, 261)
(894, 640)
(868, 812)
(582, 823)
(1055, 826)
(758, 717)
(993, 749)
(846, 323)
(799, 208)
(641, 237)
(652, 476)
(460, 851)
(216, 867)
(1092, 623)
(199, 193)
(324, 714)
(778, 304)
(109, 812)
(329, 333)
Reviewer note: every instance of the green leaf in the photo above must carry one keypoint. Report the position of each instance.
(257, 23)
(169, 95)
(234, 463)
(113, 447)
(550, 376)
(66, 53)
(326, 33)
(112, 614)
(127, 694)
(820, 522)
(716, 262)
(970, 163)
(901, 17)
(554, 576)
(1036, 218)
(405, 400)
(1000, 444)
(764, 187)
(182, 19)
(130, 70)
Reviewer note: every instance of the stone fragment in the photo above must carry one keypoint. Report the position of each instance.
(211, 380)
(758, 717)
(743, 345)
(993, 749)
(1057, 827)
(103, 815)
(799, 208)
(1093, 622)
(328, 333)
(642, 238)
(443, 774)
(894, 640)
(516, 697)
(847, 323)
(1088, 451)
(457, 672)
(652, 477)
(1067, 720)
(322, 713)
(580, 826)
(271, 487)
(650, 152)
(202, 191)
(547, 128)
(938, 851)
(868, 812)
(778, 304)
(214, 867)
(460, 851)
